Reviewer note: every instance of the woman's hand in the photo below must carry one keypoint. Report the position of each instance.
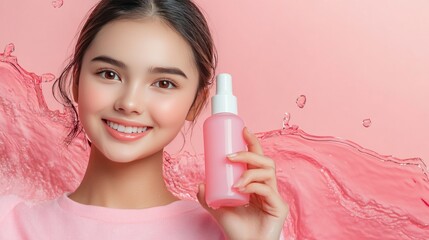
(265, 215)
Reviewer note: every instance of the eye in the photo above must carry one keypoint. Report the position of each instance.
(165, 84)
(108, 74)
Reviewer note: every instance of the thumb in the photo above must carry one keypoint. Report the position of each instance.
(201, 197)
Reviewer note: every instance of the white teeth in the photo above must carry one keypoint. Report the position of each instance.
(126, 129)
(129, 129)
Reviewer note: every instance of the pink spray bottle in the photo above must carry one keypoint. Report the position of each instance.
(223, 135)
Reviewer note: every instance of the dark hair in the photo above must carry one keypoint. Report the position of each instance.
(182, 15)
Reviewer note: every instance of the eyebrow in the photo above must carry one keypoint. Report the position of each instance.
(166, 70)
(110, 61)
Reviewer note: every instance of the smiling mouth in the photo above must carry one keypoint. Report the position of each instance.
(125, 129)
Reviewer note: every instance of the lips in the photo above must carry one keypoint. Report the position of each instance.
(125, 131)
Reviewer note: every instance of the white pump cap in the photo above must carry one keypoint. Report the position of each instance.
(224, 101)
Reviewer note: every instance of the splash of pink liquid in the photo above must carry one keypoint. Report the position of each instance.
(286, 119)
(335, 188)
(8, 51)
(34, 162)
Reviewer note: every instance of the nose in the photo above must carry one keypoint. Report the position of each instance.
(130, 101)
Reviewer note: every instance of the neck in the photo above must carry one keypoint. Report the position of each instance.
(137, 184)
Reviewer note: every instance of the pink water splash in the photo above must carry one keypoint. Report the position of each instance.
(7, 53)
(57, 3)
(301, 100)
(335, 188)
(34, 162)
(339, 190)
(286, 119)
(366, 122)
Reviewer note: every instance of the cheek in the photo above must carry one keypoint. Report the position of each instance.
(171, 111)
(91, 98)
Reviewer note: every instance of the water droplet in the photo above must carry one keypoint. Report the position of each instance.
(366, 122)
(9, 49)
(57, 3)
(48, 77)
(300, 101)
(286, 118)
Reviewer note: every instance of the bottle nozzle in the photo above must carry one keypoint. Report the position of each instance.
(224, 100)
(224, 84)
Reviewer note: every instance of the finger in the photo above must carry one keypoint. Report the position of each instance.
(202, 200)
(266, 176)
(274, 203)
(252, 142)
(201, 197)
(253, 160)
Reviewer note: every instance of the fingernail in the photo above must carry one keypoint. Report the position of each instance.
(231, 156)
(238, 184)
(247, 129)
(239, 188)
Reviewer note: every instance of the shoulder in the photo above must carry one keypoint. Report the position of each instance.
(16, 209)
(7, 204)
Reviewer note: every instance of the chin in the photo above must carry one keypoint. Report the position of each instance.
(121, 159)
(124, 156)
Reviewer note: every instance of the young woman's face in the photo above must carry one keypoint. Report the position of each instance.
(137, 83)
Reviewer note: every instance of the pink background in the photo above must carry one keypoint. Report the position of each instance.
(353, 59)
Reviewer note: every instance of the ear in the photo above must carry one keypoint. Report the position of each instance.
(196, 106)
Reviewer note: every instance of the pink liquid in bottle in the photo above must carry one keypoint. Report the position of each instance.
(223, 135)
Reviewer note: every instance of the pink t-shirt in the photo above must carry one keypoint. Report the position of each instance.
(63, 218)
